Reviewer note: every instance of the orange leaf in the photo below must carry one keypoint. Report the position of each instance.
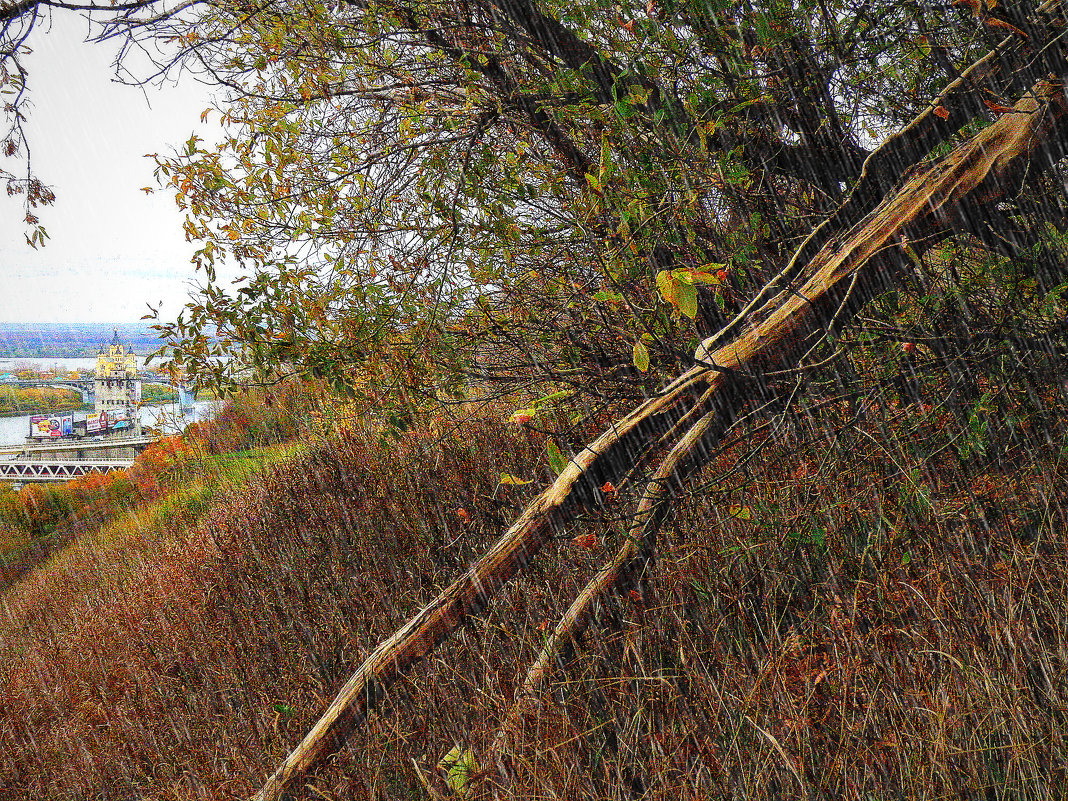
(997, 108)
(608, 487)
(941, 111)
(993, 22)
(463, 515)
(587, 541)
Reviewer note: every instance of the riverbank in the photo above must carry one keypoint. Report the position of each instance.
(21, 401)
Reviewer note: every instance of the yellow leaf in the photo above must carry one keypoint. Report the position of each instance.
(740, 512)
(523, 416)
(676, 287)
(508, 478)
(459, 766)
(668, 286)
(641, 356)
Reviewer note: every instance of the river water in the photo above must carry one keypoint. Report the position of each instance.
(166, 417)
(55, 363)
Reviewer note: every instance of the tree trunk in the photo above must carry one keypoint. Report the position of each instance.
(858, 261)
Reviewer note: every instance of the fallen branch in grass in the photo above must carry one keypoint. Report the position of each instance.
(865, 257)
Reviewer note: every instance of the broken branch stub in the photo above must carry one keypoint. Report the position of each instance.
(851, 267)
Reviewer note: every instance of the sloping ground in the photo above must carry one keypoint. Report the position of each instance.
(831, 620)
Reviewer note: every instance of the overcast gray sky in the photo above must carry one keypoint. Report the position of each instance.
(112, 248)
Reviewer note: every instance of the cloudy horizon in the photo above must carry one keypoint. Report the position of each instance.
(112, 249)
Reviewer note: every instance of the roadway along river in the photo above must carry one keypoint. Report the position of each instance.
(14, 430)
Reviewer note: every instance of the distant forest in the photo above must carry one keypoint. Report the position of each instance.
(40, 340)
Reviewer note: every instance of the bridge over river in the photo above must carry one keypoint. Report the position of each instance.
(87, 387)
(62, 461)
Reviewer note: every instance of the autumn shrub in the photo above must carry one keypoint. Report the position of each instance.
(259, 417)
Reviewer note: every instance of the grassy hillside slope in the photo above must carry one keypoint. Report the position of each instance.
(860, 617)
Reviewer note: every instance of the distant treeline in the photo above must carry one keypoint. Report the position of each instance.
(38, 400)
(69, 340)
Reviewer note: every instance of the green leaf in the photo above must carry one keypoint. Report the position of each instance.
(553, 397)
(604, 296)
(687, 299)
(557, 460)
(747, 103)
(641, 356)
(607, 166)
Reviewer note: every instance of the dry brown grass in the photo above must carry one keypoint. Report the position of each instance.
(870, 631)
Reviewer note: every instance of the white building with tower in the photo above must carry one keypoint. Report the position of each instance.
(117, 385)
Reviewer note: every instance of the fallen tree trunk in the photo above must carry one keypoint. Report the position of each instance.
(985, 165)
(846, 272)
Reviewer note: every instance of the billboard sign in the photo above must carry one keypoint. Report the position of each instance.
(96, 423)
(120, 418)
(47, 426)
(40, 426)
